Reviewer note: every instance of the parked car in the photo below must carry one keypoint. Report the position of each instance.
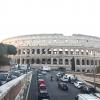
(41, 81)
(63, 85)
(3, 78)
(10, 77)
(97, 95)
(43, 95)
(78, 84)
(64, 79)
(86, 97)
(87, 89)
(39, 76)
(44, 72)
(15, 73)
(42, 87)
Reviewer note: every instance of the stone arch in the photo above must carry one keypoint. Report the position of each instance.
(54, 61)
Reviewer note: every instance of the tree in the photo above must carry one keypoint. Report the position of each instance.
(3, 49)
(11, 50)
(6, 50)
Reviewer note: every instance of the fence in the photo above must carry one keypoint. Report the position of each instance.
(16, 89)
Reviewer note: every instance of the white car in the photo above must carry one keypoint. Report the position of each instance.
(64, 79)
(44, 72)
(86, 97)
(97, 95)
(78, 84)
(58, 74)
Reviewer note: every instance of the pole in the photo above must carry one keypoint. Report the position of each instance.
(94, 72)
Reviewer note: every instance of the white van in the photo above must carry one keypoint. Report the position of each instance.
(86, 97)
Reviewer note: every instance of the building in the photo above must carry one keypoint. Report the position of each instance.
(77, 52)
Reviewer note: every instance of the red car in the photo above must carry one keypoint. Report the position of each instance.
(41, 81)
(42, 87)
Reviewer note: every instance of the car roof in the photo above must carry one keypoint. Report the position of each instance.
(79, 82)
(43, 91)
(89, 96)
(40, 79)
(97, 94)
(42, 84)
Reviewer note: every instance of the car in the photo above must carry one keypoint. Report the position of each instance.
(97, 95)
(3, 78)
(86, 97)
(42, 87)
(43, 95)
(78, 84)
(10, 77)
(44, 72)
(64, 79)
(87, 89)
(41, 81)
(39, 76)
(63, 85)
(15, 73)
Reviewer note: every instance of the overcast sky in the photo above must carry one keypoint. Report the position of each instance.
(18, 17)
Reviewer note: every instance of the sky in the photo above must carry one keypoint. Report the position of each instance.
(22, 17)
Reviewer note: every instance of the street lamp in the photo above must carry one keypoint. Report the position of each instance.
(94, 72)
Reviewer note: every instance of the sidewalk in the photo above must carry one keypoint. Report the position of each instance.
(89, 79)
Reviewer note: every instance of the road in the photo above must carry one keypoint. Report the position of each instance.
(53, 91)
(57, 94)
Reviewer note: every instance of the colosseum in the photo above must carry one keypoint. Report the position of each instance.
(77, 52)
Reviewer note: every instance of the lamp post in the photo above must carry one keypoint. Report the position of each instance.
(94, 72)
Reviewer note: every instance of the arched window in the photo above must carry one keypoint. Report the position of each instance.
(78, 62)
(54, 61)
(55, 51)
(87, 52)
(18, 61)
(77, 52)
(87, 62)
(27, 61)
(82, 52)
(28, 51)
(23, 52)
(38, 51)
(49, 51)
(48, 61)
(66, 62)
(60, 51)
(83, 62)
(92, 62)
(66, 51)
(43, 61)
(38, 61)
(43, 51)
(71, 51)
(33, 51)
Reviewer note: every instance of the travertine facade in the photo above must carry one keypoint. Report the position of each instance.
(79, 52)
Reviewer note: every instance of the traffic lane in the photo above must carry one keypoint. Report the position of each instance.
(33, 92)
(57, 94)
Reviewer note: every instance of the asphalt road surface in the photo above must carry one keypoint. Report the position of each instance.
(54, 92)
(58, 94)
